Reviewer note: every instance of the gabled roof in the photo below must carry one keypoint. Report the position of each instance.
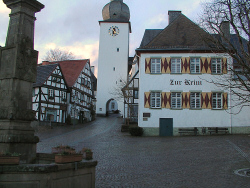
(94, 81)
(130, 62)
(43, 73)
(182, 34)
(71, 69)
(149, 35)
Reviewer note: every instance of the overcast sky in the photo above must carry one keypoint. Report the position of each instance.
(73, 24)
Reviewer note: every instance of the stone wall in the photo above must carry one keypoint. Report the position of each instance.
(71, 175)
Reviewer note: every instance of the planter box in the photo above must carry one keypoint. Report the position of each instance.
(68, 158)
(78, 157)
(9, 160)
(62, 149)
(89, 155)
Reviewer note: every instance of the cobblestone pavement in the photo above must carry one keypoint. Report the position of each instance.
(145, 162)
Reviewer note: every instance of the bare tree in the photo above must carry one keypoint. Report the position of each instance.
(58, 55)
(219, 17)
(124, 91)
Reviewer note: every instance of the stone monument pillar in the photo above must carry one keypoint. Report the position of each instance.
(18, 62)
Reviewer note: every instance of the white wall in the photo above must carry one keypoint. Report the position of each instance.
(112, 65)
(183, 117)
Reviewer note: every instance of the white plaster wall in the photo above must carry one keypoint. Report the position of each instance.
(240, 114)
(184, 117)
(108, 78)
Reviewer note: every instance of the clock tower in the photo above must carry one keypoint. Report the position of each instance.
(113, 55)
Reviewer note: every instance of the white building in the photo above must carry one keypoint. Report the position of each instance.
(50, 94)
(113, 55)
(64, 88)
(175, 71)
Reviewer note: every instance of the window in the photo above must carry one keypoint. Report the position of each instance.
(54, 79)
(81, 97)
(51, 94)
(195, 65)
(195, 100)
(64, 96)
(118, 49)
(217, 100)
(216, 66)
(82, 81)
(33, 92)
(112, 105)
(136, 94)
(175, 65)
(156, 66)
(155, 100)
(176, 100)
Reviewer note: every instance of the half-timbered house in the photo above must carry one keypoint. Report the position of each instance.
(77, 74)
(50, 94)
(131, 93)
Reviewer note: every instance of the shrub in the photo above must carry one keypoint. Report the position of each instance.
(136, 131)
(117, 111)
(68, 120)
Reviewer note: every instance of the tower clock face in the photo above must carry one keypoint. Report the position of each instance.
(113, 31)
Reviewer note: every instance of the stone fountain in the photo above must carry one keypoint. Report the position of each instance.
(18, 64)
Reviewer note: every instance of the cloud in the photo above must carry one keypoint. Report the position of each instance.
(80, 50)
(74, 24)
(4, 9)
(4, 14)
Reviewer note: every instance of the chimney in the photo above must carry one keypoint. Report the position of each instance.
(92, 68)
(172, 15)
(225, 30)
(45, 63)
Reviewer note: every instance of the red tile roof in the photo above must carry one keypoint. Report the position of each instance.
(71, 69)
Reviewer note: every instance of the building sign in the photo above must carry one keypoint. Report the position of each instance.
(185, 82)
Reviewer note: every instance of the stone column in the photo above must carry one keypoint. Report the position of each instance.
(18, 62)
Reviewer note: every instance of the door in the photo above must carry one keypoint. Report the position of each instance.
(166, 127)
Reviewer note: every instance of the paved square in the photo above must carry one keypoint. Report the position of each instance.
(126, 161)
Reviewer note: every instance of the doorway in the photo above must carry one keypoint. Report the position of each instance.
(166, 127)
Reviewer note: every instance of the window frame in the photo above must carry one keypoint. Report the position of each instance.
(217, 101)
(175, 65)
(64, 95)
(175, 99)
(136, 93)
(195, 63)
(51, 93)
(195, 98)
(214, 65)
(156, 65)
(155, 99)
